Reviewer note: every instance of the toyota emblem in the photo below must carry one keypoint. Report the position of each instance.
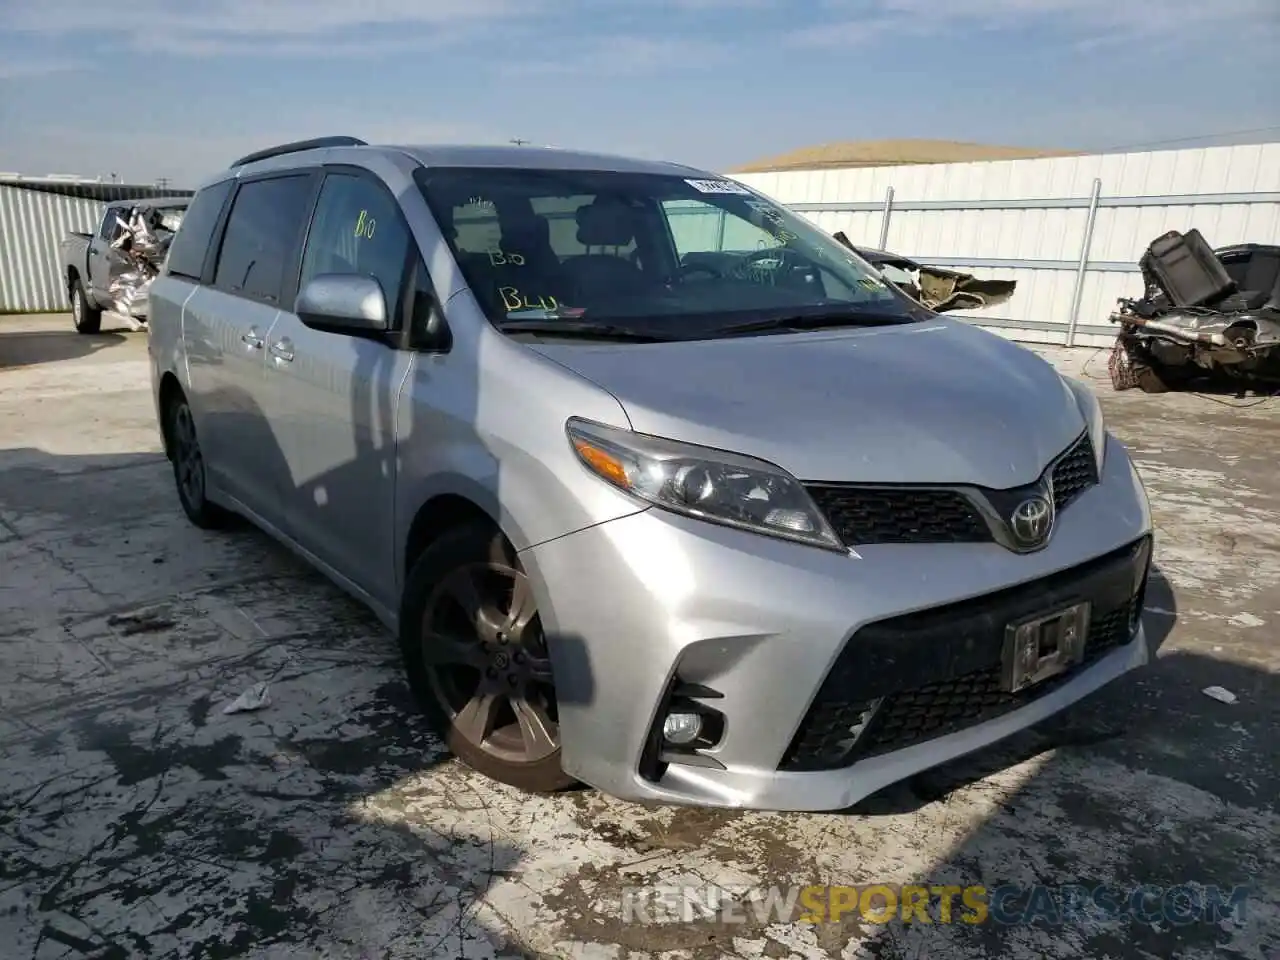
(1032, 520)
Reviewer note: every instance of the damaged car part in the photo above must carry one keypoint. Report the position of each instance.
(1203, 312)
(939, 289)
(112, 268)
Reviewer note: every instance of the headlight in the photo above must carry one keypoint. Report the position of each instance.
(712, 485)
(1091, 410)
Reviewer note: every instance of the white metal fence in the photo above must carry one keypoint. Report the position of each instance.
(32, 224)
(1070, 230)
(36, 214)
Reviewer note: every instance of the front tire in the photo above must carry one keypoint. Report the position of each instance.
(86, 317)
(478, 661)
(188, 466)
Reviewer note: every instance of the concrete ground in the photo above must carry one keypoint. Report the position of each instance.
(139, 820)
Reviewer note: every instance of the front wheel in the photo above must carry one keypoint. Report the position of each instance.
(87, 318)
(478, 661)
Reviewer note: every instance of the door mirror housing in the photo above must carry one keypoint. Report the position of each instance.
(343, 303)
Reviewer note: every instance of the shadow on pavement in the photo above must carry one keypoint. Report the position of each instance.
(25, 348)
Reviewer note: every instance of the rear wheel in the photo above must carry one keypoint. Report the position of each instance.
(478, 661)
(188, 466)
(86, 317)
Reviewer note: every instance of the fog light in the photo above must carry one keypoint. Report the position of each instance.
(681, 728)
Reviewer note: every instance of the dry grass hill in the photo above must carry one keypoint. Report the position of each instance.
(884, 153)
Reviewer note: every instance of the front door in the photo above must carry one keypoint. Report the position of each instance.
(101, 257)
(332, 398)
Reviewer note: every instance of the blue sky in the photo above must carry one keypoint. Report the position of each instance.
(152, 88)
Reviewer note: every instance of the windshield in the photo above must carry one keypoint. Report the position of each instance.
(655, 253)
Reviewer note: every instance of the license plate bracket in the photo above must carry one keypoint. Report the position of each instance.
(1037, 648)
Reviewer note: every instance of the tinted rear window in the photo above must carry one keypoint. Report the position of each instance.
(262, 234)
(187, 254)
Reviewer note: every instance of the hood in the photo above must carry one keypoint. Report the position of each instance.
(934, 402)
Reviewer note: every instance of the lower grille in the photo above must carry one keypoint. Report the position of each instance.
(939, 671)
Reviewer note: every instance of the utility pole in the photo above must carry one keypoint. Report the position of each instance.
(163, 183)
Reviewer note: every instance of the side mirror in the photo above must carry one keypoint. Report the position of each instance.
(343, 303)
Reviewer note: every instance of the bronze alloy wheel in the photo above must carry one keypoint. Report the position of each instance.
(487, 664)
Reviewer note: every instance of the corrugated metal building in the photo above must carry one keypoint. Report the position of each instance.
(36, 213)
(1069, 230)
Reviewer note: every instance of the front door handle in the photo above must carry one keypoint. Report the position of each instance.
(282, 350)
(252, 339)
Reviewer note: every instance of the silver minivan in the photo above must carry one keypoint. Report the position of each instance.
(660, 487)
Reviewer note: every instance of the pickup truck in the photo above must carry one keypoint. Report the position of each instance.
(90, 263)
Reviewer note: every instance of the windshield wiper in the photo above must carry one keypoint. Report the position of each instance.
(814, 321)
(584, 329)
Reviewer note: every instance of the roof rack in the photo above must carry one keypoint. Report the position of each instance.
(297, 146)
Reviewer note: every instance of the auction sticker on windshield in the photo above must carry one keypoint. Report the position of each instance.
(718, 186)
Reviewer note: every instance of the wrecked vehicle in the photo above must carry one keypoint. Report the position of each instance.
(939, 289)
(112, 268)
(1204, 313)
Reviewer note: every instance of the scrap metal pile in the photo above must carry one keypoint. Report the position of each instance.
(141, 246)
(1205, 314)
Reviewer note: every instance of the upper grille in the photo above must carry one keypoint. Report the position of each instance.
(1074, 473)
(863, 515)
(902, 515)
(939, 670)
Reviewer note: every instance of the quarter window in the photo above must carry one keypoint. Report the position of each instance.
(190, 246)
(262, 230)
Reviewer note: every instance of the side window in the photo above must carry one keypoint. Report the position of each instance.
(358, 228)
(698, 227)
(266, 219)
(189, 248)
(107, 229)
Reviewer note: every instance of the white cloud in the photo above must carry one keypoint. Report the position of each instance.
(143, 156)
(617, 56)
(261, 18)
(276, 27)
(1080, 21)
(25, 68)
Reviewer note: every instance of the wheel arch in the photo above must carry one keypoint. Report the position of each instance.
(437, 516)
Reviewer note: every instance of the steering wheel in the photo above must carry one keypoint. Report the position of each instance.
(784, 257)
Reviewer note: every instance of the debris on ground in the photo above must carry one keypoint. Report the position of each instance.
(145, 622)
(1221, 694)
(255, 698)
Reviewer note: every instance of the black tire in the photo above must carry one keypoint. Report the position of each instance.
(495, 657)
(188, 466)
(86, 317)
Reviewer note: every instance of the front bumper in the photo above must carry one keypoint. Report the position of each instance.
(637, 604)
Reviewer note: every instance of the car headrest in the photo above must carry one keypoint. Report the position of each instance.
(605, 223)
(530, 229)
